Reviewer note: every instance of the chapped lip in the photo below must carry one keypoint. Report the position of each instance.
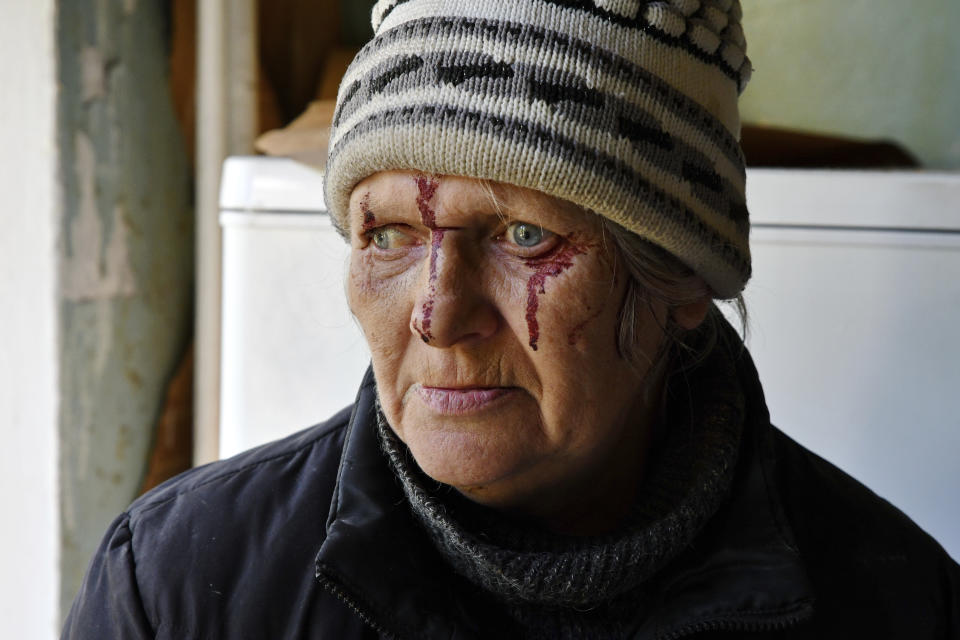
(461, 400)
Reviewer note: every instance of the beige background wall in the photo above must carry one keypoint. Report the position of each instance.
(29, 367)
(868, 68)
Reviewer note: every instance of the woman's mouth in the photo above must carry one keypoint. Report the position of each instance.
(461, 401)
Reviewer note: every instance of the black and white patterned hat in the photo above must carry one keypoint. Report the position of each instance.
(625, 107)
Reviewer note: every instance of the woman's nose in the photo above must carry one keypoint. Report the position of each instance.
(451, 306)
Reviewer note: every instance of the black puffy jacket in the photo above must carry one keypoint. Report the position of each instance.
(310, 537)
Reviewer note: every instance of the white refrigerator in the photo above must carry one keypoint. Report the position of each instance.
(854, 310)
(855, 304)
(291, 353)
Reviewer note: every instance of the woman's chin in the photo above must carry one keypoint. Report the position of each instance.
(476, 465)
(482, 448)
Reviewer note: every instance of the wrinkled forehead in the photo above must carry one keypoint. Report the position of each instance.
(406, 190)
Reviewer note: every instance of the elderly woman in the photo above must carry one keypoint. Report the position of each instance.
(560, 436)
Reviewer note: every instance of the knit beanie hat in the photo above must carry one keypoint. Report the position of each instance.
(627, 108)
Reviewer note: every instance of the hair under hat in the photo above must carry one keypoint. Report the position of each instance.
(625, 107)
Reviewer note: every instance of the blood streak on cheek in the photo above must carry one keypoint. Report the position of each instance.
(551, 265)
(369, 220)
(427, 188)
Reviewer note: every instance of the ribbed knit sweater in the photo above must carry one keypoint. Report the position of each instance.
(560, 586)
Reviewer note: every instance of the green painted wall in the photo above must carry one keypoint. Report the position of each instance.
(866, 68)
(127, 259)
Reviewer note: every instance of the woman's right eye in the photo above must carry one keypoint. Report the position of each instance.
(386, 238)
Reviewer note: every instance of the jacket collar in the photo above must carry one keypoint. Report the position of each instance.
(376, 558)
(742, 573)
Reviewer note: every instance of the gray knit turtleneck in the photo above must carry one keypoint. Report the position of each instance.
(578, 587)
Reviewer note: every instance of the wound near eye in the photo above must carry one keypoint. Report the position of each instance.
(577, 332)
(369, 220)
(551, 265)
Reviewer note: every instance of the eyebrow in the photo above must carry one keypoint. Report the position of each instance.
(382, 207)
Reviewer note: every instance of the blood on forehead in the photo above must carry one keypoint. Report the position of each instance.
(369, 219)
(427, 189)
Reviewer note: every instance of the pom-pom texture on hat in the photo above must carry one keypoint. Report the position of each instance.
(625, 107)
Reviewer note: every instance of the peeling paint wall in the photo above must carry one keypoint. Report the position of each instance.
(127, 260)
(866, 68)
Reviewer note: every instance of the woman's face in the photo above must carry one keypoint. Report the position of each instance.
(494, 337)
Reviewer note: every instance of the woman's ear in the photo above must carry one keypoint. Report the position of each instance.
(689, 316)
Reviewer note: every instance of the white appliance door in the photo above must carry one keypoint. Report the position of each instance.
(854, 329)
(292, 354)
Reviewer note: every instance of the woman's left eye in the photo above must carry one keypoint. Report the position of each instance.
(526, 235)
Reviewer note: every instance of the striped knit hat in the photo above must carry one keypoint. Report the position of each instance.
(625, 107)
